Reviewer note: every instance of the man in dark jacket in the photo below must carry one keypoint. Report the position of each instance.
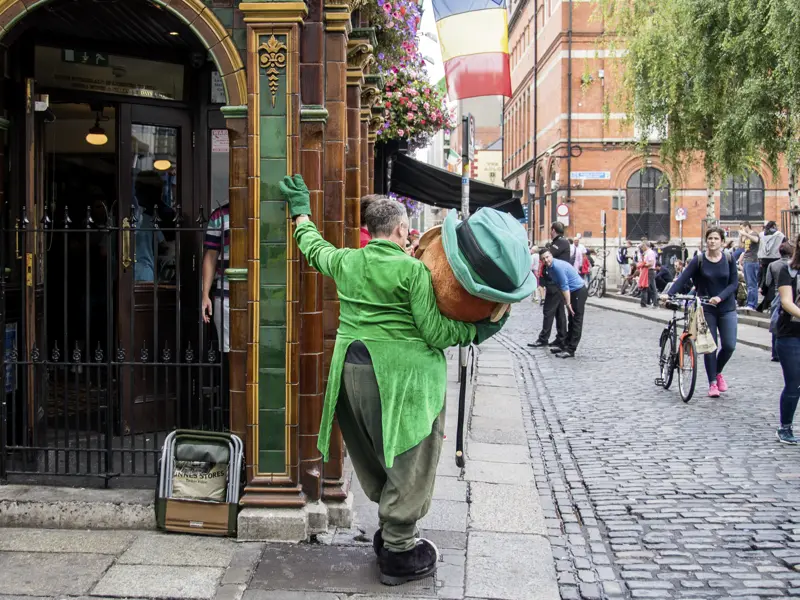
(554, 301)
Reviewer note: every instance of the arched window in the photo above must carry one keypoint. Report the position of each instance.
(742, 198)
(647, 206)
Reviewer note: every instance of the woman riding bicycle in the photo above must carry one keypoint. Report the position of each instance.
(715, 276)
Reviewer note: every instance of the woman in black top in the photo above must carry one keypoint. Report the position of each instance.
(715, 276)
(787, 344)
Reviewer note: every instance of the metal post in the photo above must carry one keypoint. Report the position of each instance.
(462, 352)
(605, 254)
(680, 226)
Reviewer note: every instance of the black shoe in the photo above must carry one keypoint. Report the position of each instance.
(401, 567)
(556, 349)
(785, 435)
(537, 344)
(566, 354)
(556, 344)
(377, 542)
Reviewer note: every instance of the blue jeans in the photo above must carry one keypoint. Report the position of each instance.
(723, 327)
(789, 355)
(751, 273)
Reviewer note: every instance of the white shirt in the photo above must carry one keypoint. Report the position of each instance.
(580, 252)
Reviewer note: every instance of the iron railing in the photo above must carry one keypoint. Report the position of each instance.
(105, 347)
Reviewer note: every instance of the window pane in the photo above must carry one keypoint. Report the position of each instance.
(755, 181)
(726, 204)
(740, 203)
(155, 190)
(757, 203)
(662, 201)
(635, 180)
(634, 204)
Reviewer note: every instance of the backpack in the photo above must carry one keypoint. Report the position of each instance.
(585, 265)
(622, 256)
(702, 255)
(776, 308)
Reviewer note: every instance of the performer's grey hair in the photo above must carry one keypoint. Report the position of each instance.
(384, 215)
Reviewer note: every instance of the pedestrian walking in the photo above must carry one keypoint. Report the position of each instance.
(769, 245)
(750, 263)
(771, 281)
(553, 308)
(574, 291)
(715, 276)
(649, 258)
(787, 343)
(391, 371)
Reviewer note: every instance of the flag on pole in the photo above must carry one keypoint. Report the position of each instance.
(473, 35)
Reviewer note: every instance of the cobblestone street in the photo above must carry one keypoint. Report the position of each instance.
(645, 496)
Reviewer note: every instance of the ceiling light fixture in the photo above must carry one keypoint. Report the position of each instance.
(175, 33)
(97, 135)
(162, 164)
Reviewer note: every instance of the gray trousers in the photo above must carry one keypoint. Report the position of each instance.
(403, 493)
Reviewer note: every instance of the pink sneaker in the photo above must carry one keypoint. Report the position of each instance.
(713, 391)
(722, 385)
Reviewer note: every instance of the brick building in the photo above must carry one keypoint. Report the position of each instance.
(556, 137)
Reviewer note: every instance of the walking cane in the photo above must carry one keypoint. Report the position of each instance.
(462, 407)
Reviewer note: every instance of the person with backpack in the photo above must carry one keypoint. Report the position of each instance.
(769, 245)
(771, 283)
(787, 343)
(714, 275)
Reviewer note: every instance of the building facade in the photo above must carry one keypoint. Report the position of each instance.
(562, 149)
(141, 138)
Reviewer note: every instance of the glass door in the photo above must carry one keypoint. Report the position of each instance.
(156, 270)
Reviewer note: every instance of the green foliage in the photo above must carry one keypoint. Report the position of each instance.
(718, 79)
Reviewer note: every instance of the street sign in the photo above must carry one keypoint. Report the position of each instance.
(595, 175)
(680, 214)
(562, 210)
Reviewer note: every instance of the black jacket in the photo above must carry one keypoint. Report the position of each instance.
(560, 249)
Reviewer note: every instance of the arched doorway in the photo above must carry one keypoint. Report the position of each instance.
(648, 203)
(118, 179)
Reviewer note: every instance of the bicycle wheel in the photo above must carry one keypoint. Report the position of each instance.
(601, 287)
(687, 368)
(593, 288)
(666, 361)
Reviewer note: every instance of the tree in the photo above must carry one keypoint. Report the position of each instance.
(717, 78)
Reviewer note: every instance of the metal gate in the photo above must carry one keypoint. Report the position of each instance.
(105, 347)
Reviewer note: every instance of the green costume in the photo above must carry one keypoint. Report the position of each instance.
(387, 302)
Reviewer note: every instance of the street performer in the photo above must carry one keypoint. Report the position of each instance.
(388, 374)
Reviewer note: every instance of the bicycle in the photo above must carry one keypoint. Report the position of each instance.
(597, 286)
(678, 352)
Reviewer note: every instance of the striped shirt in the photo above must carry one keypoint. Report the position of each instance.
(218, 237)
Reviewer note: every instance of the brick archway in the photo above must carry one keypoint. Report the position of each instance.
(194, 13)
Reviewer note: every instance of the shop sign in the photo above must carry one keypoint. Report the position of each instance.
(217, 88)
(591, 175)
(108, 74)
(219, 140)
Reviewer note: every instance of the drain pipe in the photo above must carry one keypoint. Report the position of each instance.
(535, 108)
(569, 105)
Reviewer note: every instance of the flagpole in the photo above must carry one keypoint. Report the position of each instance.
(462, 352)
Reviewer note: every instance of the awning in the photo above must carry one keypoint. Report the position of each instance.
(434, 186)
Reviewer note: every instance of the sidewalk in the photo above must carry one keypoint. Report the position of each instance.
(755, 335)
(487, 522)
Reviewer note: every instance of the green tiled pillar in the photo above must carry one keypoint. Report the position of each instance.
(273, 157)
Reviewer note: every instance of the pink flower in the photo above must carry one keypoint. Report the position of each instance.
(388, 105)
(387, 7)
(401, 132)
(410, 116)
(427, 106)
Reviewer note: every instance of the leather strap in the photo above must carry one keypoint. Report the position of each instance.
(483, 266)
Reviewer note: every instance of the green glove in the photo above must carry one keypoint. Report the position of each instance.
(486, 329)
(296, 193)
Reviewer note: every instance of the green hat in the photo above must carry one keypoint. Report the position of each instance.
(489, 255)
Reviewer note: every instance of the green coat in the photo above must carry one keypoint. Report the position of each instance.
(387, 301)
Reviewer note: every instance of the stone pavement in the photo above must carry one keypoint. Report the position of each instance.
(486, 520)
(753, 331)
(645, 496)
